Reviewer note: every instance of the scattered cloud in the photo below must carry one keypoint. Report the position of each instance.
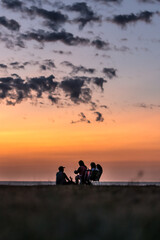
(99, 82)
(63, 36)
(86, 14)
(110, 72)
(77, 69)
(10, 24)
(100, 44)
(17, 65)
(76, 89)
(54, 19)
(123, 20)
(147, 106)
(14, 89)
(3, 66)
(149, 1)
(109, 1)
(82, 119)
(104, 106)
(62, 52)
(99, 117)
(12, 4)
(48, 64)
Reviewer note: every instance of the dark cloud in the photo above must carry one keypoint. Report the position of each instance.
(54, 18)
(17, 65)
(104, 106)
(83, 118)
(14, 89)
(109, 1)
(12, 4)
(123, 20)
(99, 44)
(77, 69)
(48, 64)
(93, 106)
(76, 90)
(15, 75)
(63, 36)
(86, 13)
(149, 1)
(99, 117)
(3, 66)
(10, 24)
(110, 72)
(99, 82)
(54, 100)
(42, 84)
(63, 52)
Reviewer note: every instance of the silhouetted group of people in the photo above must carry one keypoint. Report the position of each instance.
(83, 174)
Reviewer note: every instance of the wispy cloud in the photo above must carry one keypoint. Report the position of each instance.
(147, 106)
(83, 118)
(77, 69)
(110, 72)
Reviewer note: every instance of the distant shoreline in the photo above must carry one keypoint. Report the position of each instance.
(52, 183)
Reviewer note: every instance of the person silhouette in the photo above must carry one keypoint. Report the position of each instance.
(100, 171)
(81, 171)
(61, 177)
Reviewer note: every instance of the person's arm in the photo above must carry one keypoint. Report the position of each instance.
(67, 178)
(77, 171)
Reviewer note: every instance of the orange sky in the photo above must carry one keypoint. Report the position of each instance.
(42, 139)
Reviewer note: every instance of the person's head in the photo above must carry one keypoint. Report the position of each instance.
(61, 169)
(93, 165)
(81, 163)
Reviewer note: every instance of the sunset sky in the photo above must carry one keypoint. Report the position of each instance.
(80, 80)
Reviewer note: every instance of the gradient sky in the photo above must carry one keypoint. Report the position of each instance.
(79, 80)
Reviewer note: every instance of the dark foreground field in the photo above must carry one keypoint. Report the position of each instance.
(79, 212)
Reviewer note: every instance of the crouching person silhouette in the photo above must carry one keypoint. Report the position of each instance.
(61, 177)
(81, 171)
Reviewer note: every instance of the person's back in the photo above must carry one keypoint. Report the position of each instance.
(82, 170)
(60, 178)
(93, 171)
(100, 171)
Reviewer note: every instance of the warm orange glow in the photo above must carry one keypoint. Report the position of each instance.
(43, 138)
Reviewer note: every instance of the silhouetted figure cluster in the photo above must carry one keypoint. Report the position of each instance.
(83, 175)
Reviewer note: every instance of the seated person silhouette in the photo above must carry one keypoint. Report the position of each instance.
(61, 177)
(81, 173)
(93, 172)
(99, 172)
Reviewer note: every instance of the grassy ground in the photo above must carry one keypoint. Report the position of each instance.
(79, 212)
